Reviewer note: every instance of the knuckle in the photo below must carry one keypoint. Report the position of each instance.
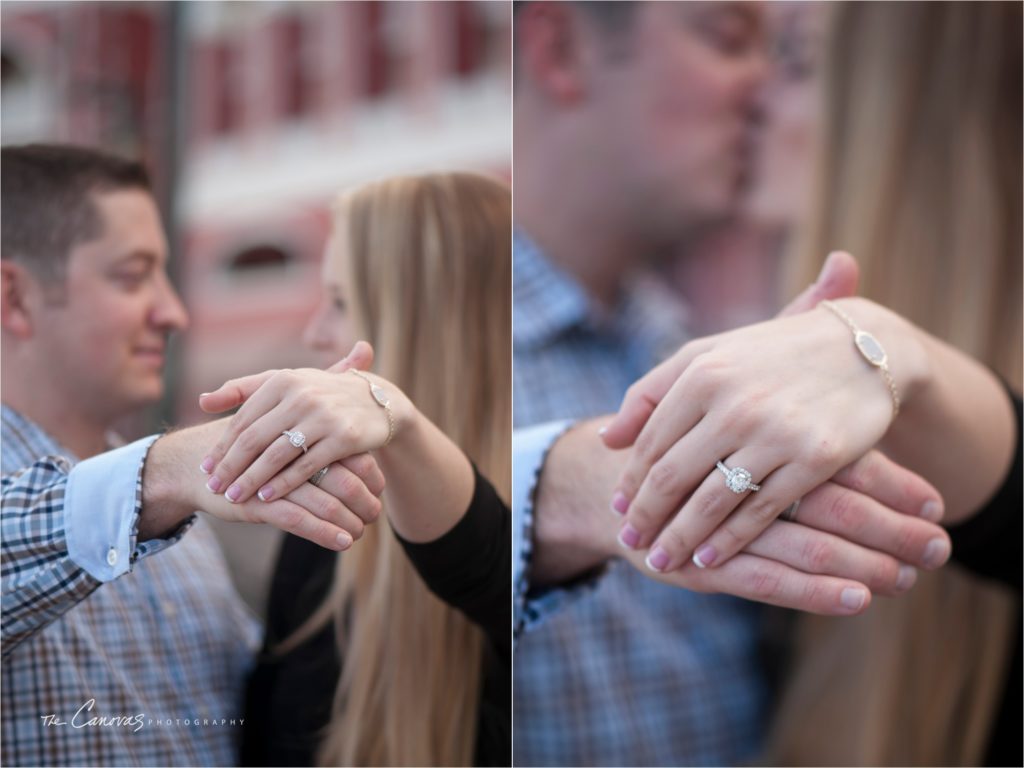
(763, 582)
(356, 529)
(734, 542)
(327, 507)
(761, 511)
(862, 475)
(289, 518)
(361, 464)
(304, 400)
(813, 593)
(630, 480)
(885, 574)
(822, 455)
(819, 555)
(373, 509)
(305, 466)
(249, 441)
(349, 433)
(905, 542)
(285, 377)
(663, 478)
(845, 510)
(675, 543)
(643, 448)
(235, 424)
(349, 485)
(708, 506)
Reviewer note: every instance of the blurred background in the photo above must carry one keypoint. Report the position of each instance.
(252, 117)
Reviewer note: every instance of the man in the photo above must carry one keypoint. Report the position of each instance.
(123, 639)
(633, 122)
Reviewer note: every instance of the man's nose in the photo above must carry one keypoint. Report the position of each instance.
(169, 312)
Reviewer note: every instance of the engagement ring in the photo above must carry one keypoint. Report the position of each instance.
(738, 480)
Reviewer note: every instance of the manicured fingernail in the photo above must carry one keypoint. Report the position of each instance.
(344, 540)
(936, 553)
(852, 598)
(704, 556)
(932, 510)
(206, 465)
(906, 578)
(265, 493)
(213, 483)
(233, 492)
(629, 536)
(620, 504)
(657, 559)
(602, 431)
(205, 394)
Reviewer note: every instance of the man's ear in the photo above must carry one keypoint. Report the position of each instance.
(15, 316)
(550, 44)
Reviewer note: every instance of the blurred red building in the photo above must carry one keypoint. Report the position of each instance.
(253, 116)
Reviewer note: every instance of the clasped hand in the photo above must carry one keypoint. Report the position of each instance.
(792, 402)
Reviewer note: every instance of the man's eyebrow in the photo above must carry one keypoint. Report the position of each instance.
(147, 256)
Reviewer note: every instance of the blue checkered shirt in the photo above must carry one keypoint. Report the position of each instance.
(628, 671)
(115, 652)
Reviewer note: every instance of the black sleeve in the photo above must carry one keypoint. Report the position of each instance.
(470, 567)
(289, 696)
(991, 543)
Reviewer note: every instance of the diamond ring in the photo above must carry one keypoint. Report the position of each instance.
(296, 438)
(738, 480)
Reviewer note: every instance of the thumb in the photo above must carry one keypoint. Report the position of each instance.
(360, 359)
(232, 393)
(838, 279)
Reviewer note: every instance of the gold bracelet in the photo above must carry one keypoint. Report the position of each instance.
(381, 398)
(871, 350)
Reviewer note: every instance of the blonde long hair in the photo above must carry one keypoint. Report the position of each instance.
(920, 178)
(430, 283)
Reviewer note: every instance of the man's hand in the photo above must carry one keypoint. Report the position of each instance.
(842, 545)
(332, 514)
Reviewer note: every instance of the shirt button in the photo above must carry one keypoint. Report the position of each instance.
(112, 557)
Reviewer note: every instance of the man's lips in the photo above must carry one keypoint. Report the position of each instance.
(152, 354)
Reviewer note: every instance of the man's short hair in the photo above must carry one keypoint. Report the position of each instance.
(46, 194)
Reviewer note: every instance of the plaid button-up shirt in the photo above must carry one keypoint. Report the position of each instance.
(623, 671)
(114, 652)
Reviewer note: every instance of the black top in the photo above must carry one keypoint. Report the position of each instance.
(990, 544)
(289, 697)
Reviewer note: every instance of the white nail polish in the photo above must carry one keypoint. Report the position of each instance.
(697, 561)
(260, 494)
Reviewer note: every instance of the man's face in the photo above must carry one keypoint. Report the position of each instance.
(675, 105)
(108, 335)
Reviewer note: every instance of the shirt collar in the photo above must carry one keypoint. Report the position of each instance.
(25, 441)
(549, 302)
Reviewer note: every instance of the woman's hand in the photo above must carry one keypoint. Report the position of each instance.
(791, 400)
(335, 412)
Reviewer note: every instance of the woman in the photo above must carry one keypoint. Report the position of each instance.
(921, 177)
(935, 677)
(421, 268)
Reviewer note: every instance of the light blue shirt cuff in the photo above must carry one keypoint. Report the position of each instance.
(530, 448)
(102, 503)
